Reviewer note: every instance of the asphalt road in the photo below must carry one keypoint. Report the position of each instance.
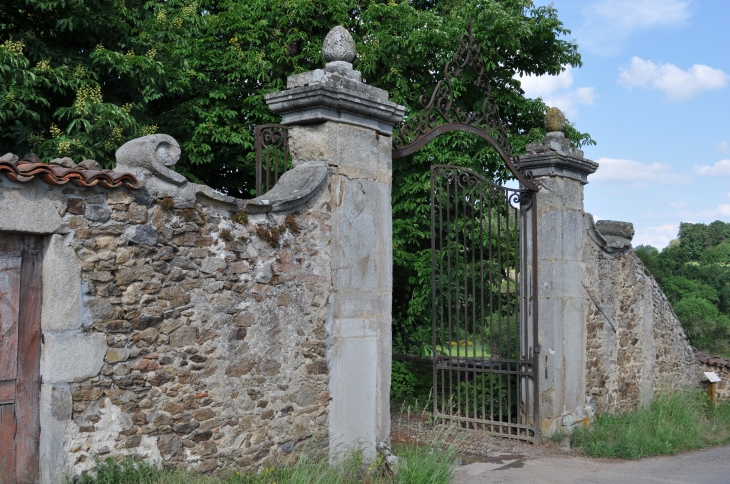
(709, 466)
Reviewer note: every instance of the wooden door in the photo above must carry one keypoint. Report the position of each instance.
(20, 345)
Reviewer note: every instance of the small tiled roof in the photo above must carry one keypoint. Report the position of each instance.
(31, 167)
(711, 360)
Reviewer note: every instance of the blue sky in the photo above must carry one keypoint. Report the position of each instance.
(654, 92)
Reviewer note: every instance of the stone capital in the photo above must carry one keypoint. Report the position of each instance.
(335, 93)
(553, 156)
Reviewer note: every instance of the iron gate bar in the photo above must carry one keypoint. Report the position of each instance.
(511, 365)
(268, 138)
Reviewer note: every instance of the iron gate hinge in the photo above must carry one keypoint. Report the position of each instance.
(537, 348)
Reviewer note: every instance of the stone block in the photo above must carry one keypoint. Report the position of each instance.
(562, 193)
(61, 309)
(116, 355)
(211, 265)
(549, 234)
(99, 310)
(185, 336)
(28, 210)
(353, 236)
(343, 146)
(142, 234)
(97, 213)
(137, 213)
(572, 236)
(56, 409)
(573, 353)
(353, 418)
(70, 356)
(360, 304)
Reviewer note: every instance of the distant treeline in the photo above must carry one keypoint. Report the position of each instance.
(694, 272)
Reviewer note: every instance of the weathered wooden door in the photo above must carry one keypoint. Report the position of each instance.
(20, 341)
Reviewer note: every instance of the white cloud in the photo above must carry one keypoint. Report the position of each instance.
(629, 172)
(676, 84)
(723, 146)
(677, 204)
(556, 92)
(608, 23)
(721, 168)
(658, 237)
(722, 210)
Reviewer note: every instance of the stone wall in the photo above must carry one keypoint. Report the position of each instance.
(187, 327)
(643, 348)
(178, 330)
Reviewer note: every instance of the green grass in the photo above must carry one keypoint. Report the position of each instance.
(474, 351)
(417, 465)
(673, 422)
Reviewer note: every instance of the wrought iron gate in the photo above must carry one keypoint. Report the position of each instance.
(484, 363)
(484, 264)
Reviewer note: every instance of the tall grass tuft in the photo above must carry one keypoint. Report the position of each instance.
(671, 423)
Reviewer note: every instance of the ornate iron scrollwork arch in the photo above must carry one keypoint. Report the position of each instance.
(439, 115)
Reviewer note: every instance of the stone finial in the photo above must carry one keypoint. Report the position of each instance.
(338, 45)
(554, 120)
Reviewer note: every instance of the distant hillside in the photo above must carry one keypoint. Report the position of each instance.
(694, 272)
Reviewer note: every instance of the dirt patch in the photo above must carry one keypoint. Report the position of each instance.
(472, 445)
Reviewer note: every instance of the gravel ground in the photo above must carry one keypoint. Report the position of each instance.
(471, 444)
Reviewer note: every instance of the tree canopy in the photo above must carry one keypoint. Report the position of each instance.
(81, 77)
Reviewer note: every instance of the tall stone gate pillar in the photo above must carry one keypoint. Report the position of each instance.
(561, 172)
(338, 121)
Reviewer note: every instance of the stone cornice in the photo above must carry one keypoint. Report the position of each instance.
(553, 156)
(321, 96)
(556, 164)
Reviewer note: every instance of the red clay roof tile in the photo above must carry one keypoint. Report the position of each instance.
(26, 170)
(711, 360)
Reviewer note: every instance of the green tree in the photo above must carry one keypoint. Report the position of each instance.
(706, 327)
(677, 288)
(79, 78)
(694, 273)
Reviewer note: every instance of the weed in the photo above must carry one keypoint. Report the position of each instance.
(168, 203)
(240, 217)
(270, 235)
(420, 464)
(226, 235)
(290, 222)
(189, 214)
(558, 436)
(671, 423)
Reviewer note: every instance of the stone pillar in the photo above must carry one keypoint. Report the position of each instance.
(339, 122)
(561, 171)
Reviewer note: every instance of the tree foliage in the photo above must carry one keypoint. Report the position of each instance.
(81, 77)
(694, 273)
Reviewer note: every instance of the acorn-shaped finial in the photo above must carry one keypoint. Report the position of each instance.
(554, 120)
(338, 45)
